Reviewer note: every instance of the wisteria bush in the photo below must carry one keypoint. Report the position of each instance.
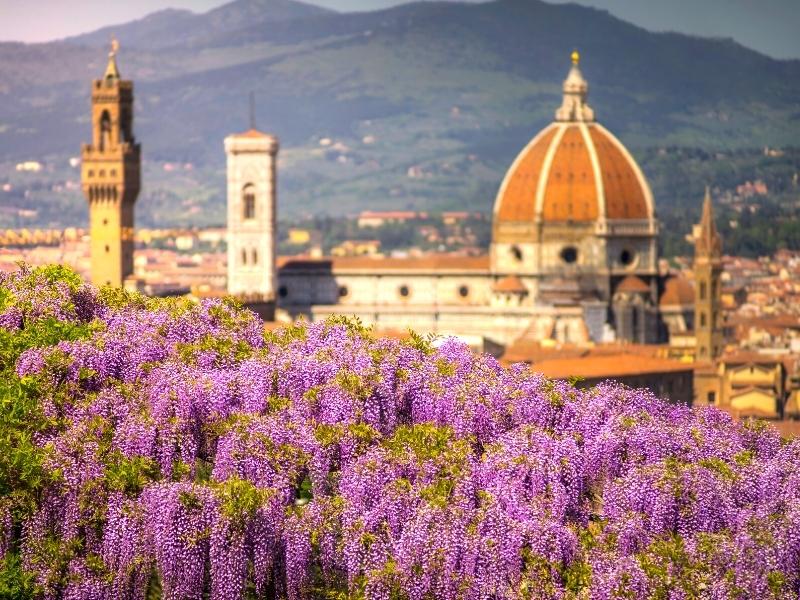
(161, 448)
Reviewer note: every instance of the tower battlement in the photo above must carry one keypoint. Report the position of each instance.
(110, 176)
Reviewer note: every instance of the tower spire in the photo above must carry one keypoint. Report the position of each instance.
(573, 106)
(112, 72)
(708, 285)
(708, 243)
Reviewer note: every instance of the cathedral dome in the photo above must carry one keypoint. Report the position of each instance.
(574, 170)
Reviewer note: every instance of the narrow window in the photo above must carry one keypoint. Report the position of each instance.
(244, 257)
(105, 130)
(712, 397)
(702, 290)
(702, 319)
(249, 201)
(255, 256)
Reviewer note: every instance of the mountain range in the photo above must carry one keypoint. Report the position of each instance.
(423, 105)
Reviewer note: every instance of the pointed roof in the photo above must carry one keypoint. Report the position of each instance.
(574, 107)
(708, 242)
(112, 72)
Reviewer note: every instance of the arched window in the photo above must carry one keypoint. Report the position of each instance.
(255, 256)
(249, 202)
(105, 130)
(702, 290)
(702, 319)
(244, 256)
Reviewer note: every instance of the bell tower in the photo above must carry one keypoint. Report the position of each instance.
(110, 175)
(708, 290)
(251, 219)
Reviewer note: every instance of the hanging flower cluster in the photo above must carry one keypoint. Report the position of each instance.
(177, 447)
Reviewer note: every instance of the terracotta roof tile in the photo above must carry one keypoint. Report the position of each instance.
(632, 283)
(252, 133)
(511, 284)
(570, 192)
(677, 291)
(441, 262)
(518, 201)
(608, 367)
(625, 198)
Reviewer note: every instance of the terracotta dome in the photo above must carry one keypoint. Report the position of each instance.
(633, 284)
(678, 291)
(574, 170)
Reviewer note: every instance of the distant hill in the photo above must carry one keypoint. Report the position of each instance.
(169, 28)
(423, 105)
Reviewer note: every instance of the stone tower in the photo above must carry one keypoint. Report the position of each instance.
(110, 175)
(251, 219)
(708, 290)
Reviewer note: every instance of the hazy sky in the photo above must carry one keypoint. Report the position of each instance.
(770, 26)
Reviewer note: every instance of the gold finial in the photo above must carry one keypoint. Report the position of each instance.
(576, 57)
(114, 46)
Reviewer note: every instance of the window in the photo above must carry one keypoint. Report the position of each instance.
(702, 319)
(569, 254)
(343, 291)
(244, 256)
(105, 132)
(626, 257)
(255, 256)
(403, 291)
(283, 292)
(463, 291)
(516, 253)
(249, 201)
(712, 397)
(108, 248)
(702, 290)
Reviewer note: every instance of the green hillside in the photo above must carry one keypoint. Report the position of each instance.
(425, 105)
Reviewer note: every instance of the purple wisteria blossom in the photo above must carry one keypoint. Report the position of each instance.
(189, 454)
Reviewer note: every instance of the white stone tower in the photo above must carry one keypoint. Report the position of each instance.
(251, 219)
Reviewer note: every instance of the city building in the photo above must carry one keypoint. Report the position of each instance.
(252, 231)
(110, 172)
(573, 254)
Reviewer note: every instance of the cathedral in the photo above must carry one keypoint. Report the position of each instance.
(573, 256)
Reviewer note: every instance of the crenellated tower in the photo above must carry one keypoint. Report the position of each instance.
(708, 290)
(110, 175)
